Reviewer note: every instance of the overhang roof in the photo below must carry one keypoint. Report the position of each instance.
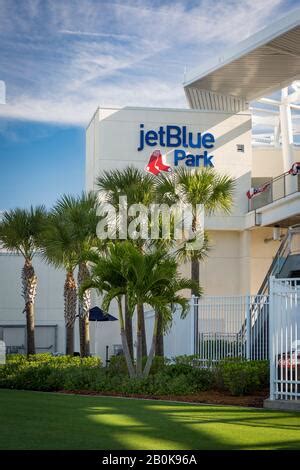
(258, 66)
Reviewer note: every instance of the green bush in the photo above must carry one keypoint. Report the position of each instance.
(241, 377)
(80, 378)
(59, 361)
(44, 371)
(42, 377)
(182, 376)
(158, 364)
(185, 359)
(117, 365)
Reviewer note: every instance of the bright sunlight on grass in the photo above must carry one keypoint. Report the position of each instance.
(33, 420)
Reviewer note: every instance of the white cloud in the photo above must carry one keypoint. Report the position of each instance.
(61, 60)
(79, 111)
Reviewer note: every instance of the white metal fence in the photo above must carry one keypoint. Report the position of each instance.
(235, 326)
(256, 327)
(284, 339)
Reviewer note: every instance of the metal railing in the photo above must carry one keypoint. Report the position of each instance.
(232, 326)
(278, 188)
(290, 245)
(285, 339)
(259, 309)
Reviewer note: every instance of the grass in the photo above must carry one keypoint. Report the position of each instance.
(36, 420)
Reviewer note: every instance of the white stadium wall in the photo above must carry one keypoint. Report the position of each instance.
(49, 310)
(267, 162)
(113, 139)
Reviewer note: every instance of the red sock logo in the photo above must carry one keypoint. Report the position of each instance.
(156, 165)
(160, 165)
(151, 168)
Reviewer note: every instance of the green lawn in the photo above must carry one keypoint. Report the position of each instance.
(33, 420)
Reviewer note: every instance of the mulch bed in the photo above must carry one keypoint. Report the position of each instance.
(210, 397)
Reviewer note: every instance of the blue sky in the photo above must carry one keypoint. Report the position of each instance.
(60, 60)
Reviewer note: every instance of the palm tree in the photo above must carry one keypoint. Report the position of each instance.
(20, 231)
(150, 279)
(59, 249)
(205, 187)
(165, 300)
(81, 213)
(107, 278)
(139, 188)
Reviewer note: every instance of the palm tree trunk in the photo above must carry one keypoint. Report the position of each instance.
(126, 351)
(30, 328)
(70, 340)
(195, 269)
(84, 306)
(152, 349)
(159, 345)
(139, 347)
(195, 272)
(128, 328)
(29, 284)
(84, 336)
(81, 336)
(143, 332)
(70, 298)
(142, 325)
(195, 275)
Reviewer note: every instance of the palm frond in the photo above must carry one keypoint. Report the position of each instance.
(131, 182)
(186, 251)
(20, 229)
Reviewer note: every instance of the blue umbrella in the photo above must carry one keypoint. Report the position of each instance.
(97, 314)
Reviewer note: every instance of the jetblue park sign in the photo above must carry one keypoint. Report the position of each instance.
(179, 140)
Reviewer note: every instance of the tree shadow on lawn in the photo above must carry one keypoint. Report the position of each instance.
(35, 420)
(287, 445)
(173, 423)
(252, 417)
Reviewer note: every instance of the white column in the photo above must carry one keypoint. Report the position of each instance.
(272, 353)
(286, 131)
(287, 141)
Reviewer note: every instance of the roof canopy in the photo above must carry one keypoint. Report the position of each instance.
(258, 66)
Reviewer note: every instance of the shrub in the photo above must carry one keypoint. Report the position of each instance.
(44, 371)
(240, 377)
(49, 373)
(60, 361)
(80, 378)
(117, 365)
(185, 359)
(158, 363)
(196, 379)
(42, 378)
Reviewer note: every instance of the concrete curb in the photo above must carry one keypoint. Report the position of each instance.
(282, 405)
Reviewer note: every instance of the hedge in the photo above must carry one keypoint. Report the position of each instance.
(181, 376)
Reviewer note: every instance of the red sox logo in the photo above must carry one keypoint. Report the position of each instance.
(156, 164)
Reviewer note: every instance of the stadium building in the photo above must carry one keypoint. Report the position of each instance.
(243, 118)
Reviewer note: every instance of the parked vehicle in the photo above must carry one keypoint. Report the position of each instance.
(288, 369)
